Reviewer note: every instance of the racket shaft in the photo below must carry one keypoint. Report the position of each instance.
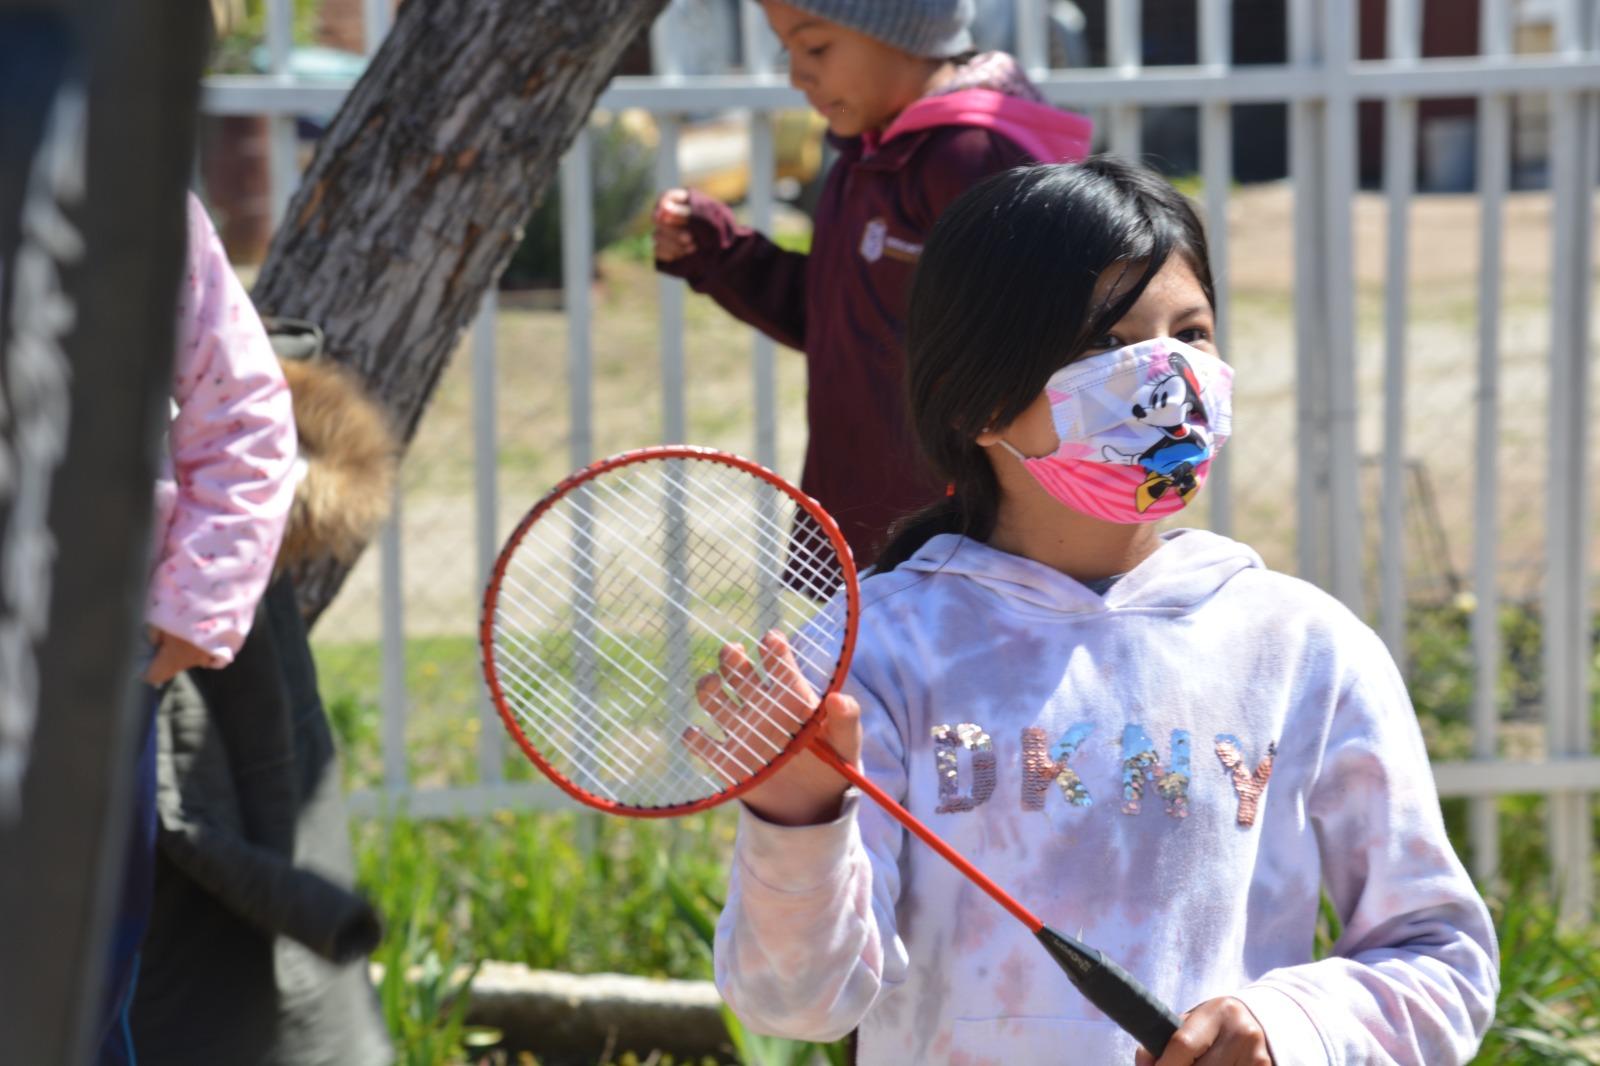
(826, 753)
(1102, 982)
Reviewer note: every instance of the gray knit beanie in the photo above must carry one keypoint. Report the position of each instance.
(936, 29)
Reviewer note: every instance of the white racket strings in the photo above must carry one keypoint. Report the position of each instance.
(619, 598)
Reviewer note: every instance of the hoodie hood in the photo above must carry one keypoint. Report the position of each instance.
(991, 91)
(1188, 568)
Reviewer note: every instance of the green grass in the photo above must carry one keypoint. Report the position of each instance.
(570, 891)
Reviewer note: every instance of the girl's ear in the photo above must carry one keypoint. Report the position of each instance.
(991, 432)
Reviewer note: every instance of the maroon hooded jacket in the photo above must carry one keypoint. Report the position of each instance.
(844, 304)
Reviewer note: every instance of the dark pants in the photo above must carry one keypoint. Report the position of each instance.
(133, 902)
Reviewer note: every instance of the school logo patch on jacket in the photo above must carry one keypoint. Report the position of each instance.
(876, 242)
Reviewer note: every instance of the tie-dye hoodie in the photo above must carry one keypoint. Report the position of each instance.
(1172, 771)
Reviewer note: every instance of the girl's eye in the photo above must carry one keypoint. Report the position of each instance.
(1196, 335)
(816, 53)
(1104, 342)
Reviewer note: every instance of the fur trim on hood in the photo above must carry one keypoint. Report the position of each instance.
(350, 453)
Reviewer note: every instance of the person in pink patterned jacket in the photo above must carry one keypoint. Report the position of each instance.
(225, 486)
(221, 499)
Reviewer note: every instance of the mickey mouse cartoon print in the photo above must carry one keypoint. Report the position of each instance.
(1170, 405)
(1137, 429)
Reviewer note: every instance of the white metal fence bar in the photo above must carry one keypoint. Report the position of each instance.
(1399, 172)
(1566, 622)
(1494, 161)
(1033, 36)
(665, 59)
(577, 275)
(1433, 78)
(1216, 174)
(485, 463)
(1125, 55)
(281, 144)
(669, 291)
(1340, 154)
(577, 267)
(763, 161)
(1453, 779)
(375, 19)
(1308, 176)
(1506, 777)
(392, 698)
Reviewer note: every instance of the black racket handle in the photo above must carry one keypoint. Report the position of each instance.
(1115, 991)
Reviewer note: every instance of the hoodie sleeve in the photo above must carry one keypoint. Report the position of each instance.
(1413, 979)
(233, 451)
(807, 939)
(752, 278)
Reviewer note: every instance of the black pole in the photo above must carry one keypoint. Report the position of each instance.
(97, 121)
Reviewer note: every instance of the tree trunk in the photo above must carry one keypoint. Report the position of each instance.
(413, 203)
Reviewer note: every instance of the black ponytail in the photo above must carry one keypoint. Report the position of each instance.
(1004, 296)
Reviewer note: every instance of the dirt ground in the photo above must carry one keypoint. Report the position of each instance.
(439, 558)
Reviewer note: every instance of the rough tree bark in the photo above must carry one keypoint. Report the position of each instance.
(411, 207)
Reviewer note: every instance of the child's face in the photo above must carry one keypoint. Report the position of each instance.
(854, 81)
(1172, 305)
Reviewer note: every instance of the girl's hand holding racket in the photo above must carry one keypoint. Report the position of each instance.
(671, 216)
(763, 715)
(1219, 1032)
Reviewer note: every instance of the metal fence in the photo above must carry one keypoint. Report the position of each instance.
(1343, 398)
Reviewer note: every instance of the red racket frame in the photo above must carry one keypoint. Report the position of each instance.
(491, 597)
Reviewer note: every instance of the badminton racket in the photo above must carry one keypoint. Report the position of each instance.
(615, 596)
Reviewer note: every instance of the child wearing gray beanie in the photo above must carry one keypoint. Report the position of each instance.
(916, 120)
(935, 29)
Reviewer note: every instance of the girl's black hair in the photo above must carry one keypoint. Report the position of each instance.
(1004, 297)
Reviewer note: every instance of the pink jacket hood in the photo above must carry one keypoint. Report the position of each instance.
(1048, 134)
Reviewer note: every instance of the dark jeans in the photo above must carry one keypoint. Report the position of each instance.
(133, 903)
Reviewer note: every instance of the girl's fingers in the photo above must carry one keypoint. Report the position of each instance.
(785, 681)
(724, 764)
(737, 671)
(1192, 1040)
(1219, 1032)
(842, 726)
(782, 669)
(710, 694)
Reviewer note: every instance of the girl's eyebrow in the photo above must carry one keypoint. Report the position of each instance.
(1190, 312)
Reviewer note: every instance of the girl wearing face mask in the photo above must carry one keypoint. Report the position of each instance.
(1146, 737)
(916, 118)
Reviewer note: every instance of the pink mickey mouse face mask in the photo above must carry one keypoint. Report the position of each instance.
(1138, 427)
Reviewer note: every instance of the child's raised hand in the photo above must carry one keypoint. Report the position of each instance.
(759, 717)
(1219, 1032)
(173, 656)
(671, 217)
